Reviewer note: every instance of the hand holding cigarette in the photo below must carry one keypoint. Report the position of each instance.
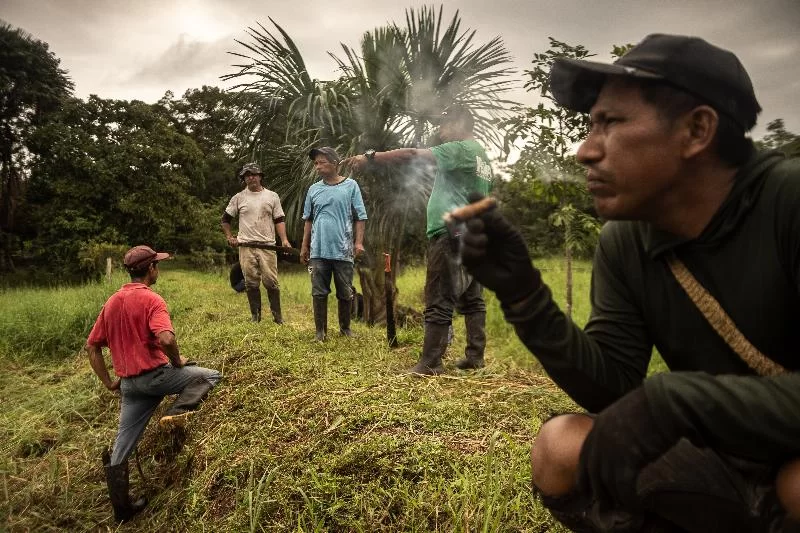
(472, 210)
(455, 221)
(493, 250)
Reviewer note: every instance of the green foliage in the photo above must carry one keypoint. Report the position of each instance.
(116, 172)
(546, 191)
(208, 260)
(41, 324)
(208, 117)
(778, 138)
(618, 50)
(549, 131)
(531, 203)
(32, 86)
(580, 230)
(92, 257)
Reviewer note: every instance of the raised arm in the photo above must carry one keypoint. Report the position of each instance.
(391, 157)
(594, 367)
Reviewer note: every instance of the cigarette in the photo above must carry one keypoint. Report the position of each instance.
(470, 210)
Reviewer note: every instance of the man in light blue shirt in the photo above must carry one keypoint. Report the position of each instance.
(333, 236)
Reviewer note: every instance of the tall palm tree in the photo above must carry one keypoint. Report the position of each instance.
(284, 113)
(389, 91)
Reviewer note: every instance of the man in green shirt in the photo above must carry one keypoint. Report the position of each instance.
(462, 168)
(713, 445)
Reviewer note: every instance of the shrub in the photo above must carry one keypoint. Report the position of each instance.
(92, 257)
(207, 260)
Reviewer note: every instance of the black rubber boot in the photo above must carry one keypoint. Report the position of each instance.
(254, 299)
(118, 486)
(321, 317)
(476, 342)
(187, 401)
(433, 347)
(274, 297)
(344, 317)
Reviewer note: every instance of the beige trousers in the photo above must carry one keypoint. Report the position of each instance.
(259, 266)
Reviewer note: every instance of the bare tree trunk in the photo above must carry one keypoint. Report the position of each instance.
(568, 261)
(372, 276)
(391, 333)
(373, 287)
(11, 191)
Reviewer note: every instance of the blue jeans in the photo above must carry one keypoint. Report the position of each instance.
(321, 272)
(142, 394)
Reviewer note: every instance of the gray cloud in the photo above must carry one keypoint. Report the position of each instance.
(185, 58)
(122, 49)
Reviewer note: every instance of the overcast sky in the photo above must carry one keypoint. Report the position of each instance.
(140, 49)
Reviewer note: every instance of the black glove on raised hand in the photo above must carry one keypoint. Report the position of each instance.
(495, 254)
(625, 438)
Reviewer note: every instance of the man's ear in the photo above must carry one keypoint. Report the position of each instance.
(701, 128)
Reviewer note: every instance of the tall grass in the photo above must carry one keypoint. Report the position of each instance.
(299, 436)
(42, 323)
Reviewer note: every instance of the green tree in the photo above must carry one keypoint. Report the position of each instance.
(116, 172)
(32, 86)
(778, 138)
(208, 116)
(283, 113)
(389, 91)
(580, 235)
(550, 134)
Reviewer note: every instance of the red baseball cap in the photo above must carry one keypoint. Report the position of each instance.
(141, 256)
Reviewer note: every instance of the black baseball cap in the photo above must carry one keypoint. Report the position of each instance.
(711, 73)
(329, 153)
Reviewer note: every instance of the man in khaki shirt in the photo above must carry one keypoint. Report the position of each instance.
(260, 218)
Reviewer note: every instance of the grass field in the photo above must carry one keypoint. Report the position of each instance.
(298, 437)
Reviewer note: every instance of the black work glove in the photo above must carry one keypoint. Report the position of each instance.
(495, 254)
(625, 438)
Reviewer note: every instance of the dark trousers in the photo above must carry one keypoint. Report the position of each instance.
(322, 270)
(448, 286)
(689, 489)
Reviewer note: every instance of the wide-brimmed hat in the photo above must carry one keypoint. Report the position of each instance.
(711, 73)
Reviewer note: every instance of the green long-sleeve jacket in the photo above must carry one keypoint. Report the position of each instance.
(748, 258)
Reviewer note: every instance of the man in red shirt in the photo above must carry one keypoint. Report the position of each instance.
(135, 325)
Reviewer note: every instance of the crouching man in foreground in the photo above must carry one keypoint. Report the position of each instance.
(135, 325)
(701, 259)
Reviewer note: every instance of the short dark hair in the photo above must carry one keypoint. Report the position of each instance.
(140, 271)
(731, 143)
(326, 151)
(458, 113)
